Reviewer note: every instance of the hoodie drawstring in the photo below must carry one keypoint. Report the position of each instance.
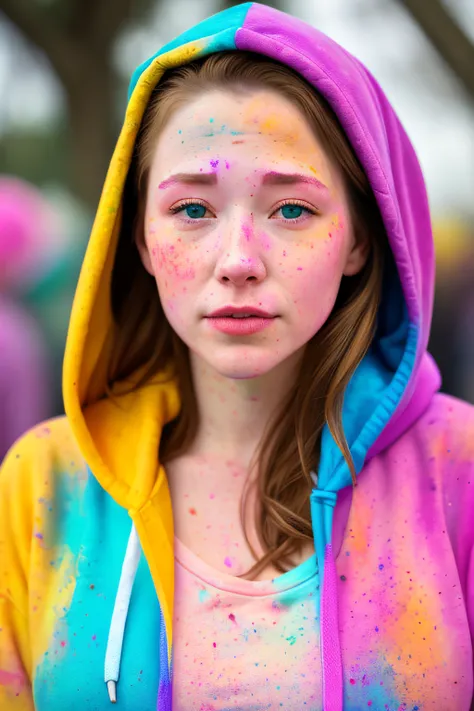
(322, 511)
(113, 654)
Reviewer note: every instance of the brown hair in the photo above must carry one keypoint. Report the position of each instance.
(289, 450)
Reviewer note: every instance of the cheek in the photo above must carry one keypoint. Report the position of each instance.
(313, 271)
(172, 262)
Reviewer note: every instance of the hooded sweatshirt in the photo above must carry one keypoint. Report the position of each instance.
(86, 527)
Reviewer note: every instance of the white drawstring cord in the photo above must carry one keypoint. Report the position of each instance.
(119, 616)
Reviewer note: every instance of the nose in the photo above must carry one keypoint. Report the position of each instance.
(240, 259)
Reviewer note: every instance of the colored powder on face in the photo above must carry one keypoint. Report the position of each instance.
(228, 562)
(212, 496)
(247, 230)
(193, 512)
(203, 595)
(232, 617)
(39, 535)
(214, 163)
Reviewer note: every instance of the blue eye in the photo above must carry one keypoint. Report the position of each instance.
(292, 212)
(195, 210)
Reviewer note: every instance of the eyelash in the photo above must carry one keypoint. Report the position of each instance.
(184, 204)
(309, 210)
(176, 209)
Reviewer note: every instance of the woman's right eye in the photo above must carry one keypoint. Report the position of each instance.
(192, 210)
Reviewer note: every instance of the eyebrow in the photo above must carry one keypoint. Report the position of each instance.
(275, 178)
(270, 178)
(189, 179)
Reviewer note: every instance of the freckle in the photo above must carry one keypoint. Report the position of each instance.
(91, 587)
(193, 512)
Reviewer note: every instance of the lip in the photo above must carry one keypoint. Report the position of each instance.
(227, 311)
(256, 320)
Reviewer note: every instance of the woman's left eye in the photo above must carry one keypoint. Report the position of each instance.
(293, 211)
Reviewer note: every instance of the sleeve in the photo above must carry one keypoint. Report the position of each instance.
(457, 447)
(15, 545)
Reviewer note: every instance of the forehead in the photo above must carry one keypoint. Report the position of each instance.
(259, 122)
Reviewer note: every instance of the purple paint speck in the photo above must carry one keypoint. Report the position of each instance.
(246, 229)
(39, 535)
(214, 163)
(228, 562)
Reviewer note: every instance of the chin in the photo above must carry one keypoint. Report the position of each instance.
(240, 365)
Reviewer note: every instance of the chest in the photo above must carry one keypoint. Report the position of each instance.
(210, 518)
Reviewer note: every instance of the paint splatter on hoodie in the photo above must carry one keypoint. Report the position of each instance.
(86, 534)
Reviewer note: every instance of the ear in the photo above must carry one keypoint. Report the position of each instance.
(360, 248)
(140, 241)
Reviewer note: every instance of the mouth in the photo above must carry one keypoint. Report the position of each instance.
(239, 321)
(240, 312)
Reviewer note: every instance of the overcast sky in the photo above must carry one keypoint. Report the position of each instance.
(432, 106)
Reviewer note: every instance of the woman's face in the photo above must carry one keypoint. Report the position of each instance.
(247, 230)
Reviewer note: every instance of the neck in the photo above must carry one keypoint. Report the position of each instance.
(233, 414)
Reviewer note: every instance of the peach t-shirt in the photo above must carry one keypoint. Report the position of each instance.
(241, 644)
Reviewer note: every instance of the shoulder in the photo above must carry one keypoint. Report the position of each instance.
(48, 448)
(447, 431)
(37, 470)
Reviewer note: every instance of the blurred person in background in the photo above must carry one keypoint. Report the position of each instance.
(257, 499)
(26, 227)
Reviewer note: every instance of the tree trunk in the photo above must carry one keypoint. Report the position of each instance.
(91, 134)
(447, 37)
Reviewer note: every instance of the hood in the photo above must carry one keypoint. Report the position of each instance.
(396, 380)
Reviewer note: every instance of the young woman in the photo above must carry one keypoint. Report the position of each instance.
(257, 499)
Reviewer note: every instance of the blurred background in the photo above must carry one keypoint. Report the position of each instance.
(64, 69)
